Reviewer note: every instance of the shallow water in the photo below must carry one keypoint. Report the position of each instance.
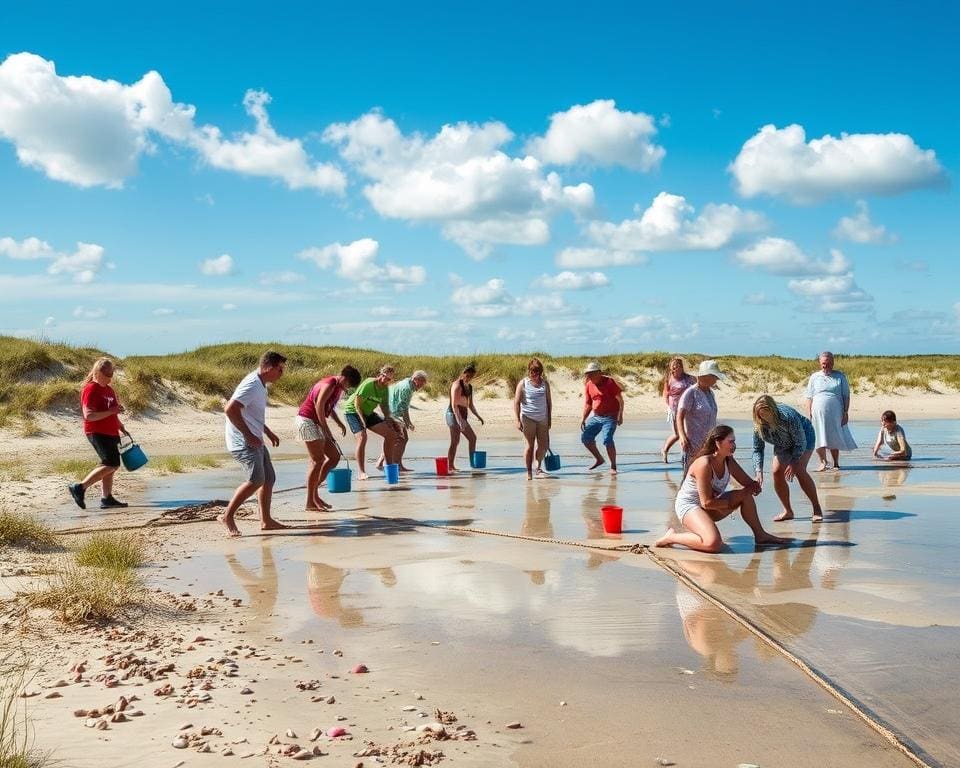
(869, 597)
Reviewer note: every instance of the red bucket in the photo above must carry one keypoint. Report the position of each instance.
(442, 469)
(612, 519)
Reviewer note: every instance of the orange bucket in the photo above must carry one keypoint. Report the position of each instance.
(612, 519)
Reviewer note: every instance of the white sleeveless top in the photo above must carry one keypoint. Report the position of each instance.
(688, 496)
(533, 404)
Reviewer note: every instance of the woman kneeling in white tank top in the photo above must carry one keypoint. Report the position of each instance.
(703, 500)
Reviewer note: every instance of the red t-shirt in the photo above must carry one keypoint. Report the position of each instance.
(603, 396)
(96, 397)
(308, 408)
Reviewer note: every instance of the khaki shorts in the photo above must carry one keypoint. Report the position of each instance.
(308, 430)
(535, 429)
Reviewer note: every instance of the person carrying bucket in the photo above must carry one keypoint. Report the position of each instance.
(312, 428)
(461, 403)
(245, 428)
(401, 393)
(602, 414)
(360, 414)
(533, 409)
(102, 426)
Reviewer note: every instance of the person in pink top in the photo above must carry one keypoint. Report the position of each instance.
(674, 383)
(312, 428)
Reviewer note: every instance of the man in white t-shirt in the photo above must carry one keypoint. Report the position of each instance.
(244, 432)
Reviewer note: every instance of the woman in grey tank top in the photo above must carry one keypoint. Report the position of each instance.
(533, 408)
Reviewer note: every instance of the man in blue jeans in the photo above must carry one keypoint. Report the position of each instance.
(602, 414)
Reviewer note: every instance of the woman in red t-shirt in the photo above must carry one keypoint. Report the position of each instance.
(102, 426)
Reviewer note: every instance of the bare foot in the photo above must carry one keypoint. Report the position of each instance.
(406, 469)
(613, 469)
(665, 540)
(818, 517)
(363, 476)
(787, 514)
(312, 509)
(540, 472)
(379, 465)
(822, 467)
(232, 530)
(529, 476)
(451, 469)
(271, 525)
(596, 464)
(663, 457)
(836, 467)
(324, 504)
(769, 540)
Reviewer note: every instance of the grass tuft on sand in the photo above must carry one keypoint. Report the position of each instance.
(16, 750)
(176, 464)
(21, 530)
(76, 469)
(118, 551)
(76, 594)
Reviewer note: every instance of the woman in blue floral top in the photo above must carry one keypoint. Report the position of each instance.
(793, 440)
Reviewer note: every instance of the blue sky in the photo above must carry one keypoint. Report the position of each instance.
(571, 179)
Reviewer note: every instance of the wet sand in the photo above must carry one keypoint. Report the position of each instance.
(505, 629)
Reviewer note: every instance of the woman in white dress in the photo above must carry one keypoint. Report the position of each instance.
(828, 405)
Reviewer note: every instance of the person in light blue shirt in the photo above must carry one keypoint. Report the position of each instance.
(793, 439)
(401, 394)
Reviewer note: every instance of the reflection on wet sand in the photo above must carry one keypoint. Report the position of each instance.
(603, 491)
(893, 477)
(324, 583)
(262, 589)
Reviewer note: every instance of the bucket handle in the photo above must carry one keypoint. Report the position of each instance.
(342, 454)
(130, 445)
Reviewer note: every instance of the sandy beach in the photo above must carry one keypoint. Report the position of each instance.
(495, 622)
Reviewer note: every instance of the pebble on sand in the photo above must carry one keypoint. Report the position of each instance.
(336, 731)
(360, 669)
(515, 724)
(179, 743)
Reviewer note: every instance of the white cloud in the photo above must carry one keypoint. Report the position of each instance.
(163, 312)
(780, 162)
(357, 262)
(50, 321)
(648, 327)
(573, 281)
(599, 134)
(833, 293)
(220, 266)
(89, 314)
(460, 177)
(92, 132)
(669, 224)
(592, 258)
(860, 229)
(265, 153)
(492, 299)
(281, 278)
(784, 257)
(83, 264)
(383, 311)
(28, 249)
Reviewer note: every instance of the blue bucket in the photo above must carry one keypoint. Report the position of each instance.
(551, 462)
(392, 473)
(132, 455)
(338, 481)
(478, 459)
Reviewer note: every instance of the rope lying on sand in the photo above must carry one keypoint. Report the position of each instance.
(204, 512)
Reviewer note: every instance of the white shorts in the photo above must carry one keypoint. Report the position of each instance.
(308, 430)
(682, 506)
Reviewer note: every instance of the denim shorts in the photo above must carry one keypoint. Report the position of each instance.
(353, 421)
(107, 448)
(604, 426)
(256, 461)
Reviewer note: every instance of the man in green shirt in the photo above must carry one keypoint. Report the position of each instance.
(401, 394)
(361, 417)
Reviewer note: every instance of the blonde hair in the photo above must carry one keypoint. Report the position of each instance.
(98, 366)
(666, 376)
(765, 403)
(388, 370)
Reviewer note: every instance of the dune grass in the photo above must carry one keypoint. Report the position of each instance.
(174, 465)
(18, 529)
(76, 469)
(13, 470)
(79, 594)
(117, 551)
(16, 749)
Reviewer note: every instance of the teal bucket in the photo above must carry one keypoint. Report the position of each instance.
(132, 455)
(551, 462)
(338, 481)
(478, 459)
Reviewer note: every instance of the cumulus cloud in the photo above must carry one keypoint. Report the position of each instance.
(649, 327)
(593, 258)
(357, 262)
(860, 229)
(217, 267)
(599, 134)
(91, 132)
(83, 313)
(83, 264)
(782, 163)
(669, 224)
(492, 299)
(833, 293)
(28, 249)
(573, 281)
(461, 178)
(784, 257)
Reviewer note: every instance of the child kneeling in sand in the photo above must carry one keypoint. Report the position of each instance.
(703, 499)
(893, 436)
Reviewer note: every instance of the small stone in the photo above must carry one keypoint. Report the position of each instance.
(226, 751)
(408, 708)
(435, 728)
(666, 761)
(563, 703)
(102, 725)
(316, 750)
(331, 700)
(303, 754)
(341, 718)
(91, 722)
(336, 731)
(185, 727)
(119, 717)
(54, 695)
(291, 734)
(246, 691)
(180, 742)
(60, 684)
(205, 749)
(515, 725)
(315, 734)
(360, 669)
(79, 713)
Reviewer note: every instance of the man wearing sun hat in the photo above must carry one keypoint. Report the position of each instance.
(602, 414)
(697, 409)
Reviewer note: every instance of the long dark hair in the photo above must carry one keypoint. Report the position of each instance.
(717, 435)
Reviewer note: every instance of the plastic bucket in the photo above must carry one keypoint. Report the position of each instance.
(551, 462)
(132, 455)
(478, 459)
(612, 519)
(392, 473)
(442, 468)
(338, 481)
